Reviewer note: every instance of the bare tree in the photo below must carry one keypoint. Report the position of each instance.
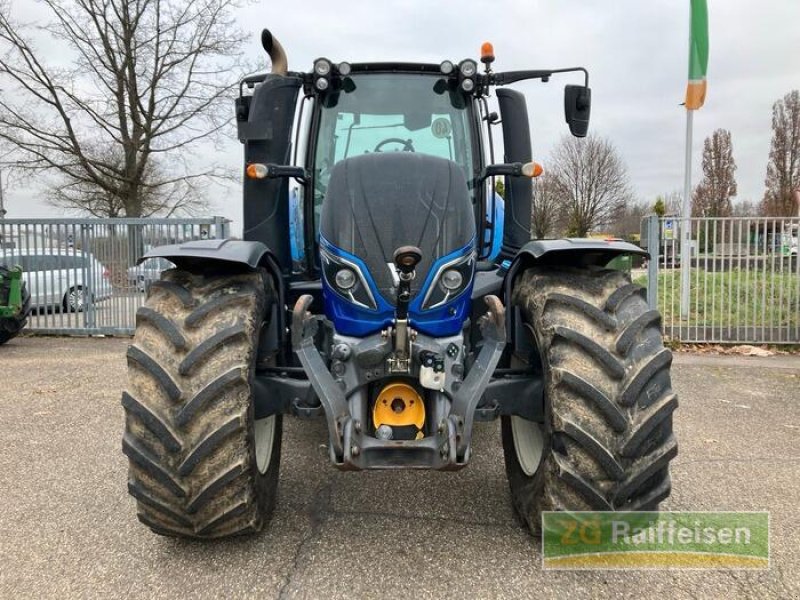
(744, 208)
(594, 180)
(149, 81)
(159, 196)
(783, 169)
(548, 197)
(629, 221)
(712, 196)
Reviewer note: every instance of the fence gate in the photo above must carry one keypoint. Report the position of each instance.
(82, 273)
(744, 279)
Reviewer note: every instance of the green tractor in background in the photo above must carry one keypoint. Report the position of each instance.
(15, 303)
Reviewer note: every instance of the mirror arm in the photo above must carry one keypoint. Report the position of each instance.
(288, 171)
(543, 74)
(501, 169)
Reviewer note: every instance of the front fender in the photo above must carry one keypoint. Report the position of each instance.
(566, 253)
(201, 255)
(190, 254)
(573, 252)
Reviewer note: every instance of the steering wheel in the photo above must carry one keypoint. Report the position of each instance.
(407, 145)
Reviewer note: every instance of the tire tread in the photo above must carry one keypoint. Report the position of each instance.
(188, 428)
(608, 394)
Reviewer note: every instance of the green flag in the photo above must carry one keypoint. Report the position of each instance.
(698, 56)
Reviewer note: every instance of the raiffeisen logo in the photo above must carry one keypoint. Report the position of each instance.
(650, 540)
(671, 533)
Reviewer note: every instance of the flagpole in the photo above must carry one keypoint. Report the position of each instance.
(686, 213)
(695, 97)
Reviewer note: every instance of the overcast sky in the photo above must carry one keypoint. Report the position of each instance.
(636, 52)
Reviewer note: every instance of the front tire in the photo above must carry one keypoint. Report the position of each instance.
(607, 438)
(201, 465)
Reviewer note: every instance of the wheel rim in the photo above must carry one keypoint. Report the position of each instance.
(528, 444)
(76, 299)
(264, 437)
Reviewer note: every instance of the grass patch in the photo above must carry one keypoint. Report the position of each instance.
(734, 298)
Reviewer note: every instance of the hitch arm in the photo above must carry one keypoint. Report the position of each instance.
(332, 397)
(466, 399)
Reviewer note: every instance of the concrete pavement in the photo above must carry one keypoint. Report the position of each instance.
(68, 528)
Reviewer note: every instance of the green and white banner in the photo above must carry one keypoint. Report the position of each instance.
(698, 56)
(652, 540)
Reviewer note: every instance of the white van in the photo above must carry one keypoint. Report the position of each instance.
(61, 278)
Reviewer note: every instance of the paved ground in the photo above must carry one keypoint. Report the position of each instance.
(68, 529)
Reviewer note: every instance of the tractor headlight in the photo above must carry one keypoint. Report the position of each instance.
(450, 281)
(345, 279)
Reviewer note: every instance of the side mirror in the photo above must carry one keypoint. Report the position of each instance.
(577, 107)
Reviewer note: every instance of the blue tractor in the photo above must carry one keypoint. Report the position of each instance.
(405, 314)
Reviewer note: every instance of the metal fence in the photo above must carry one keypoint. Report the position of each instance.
(744, 273)
(744, 279)
(82, 273)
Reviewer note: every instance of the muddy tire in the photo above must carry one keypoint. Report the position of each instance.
(201, 466)
(607, 439)
(10, 327)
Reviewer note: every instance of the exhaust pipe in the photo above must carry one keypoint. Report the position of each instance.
(277, 55)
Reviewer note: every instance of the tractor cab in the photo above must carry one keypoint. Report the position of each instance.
(391, 112)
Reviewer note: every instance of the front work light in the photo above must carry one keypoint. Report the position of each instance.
(322, 67)
(468, 68)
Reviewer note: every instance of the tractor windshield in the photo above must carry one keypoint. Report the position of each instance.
(391, 112)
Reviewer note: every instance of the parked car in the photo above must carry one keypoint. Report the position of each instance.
(61, 277)
(146, 273)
